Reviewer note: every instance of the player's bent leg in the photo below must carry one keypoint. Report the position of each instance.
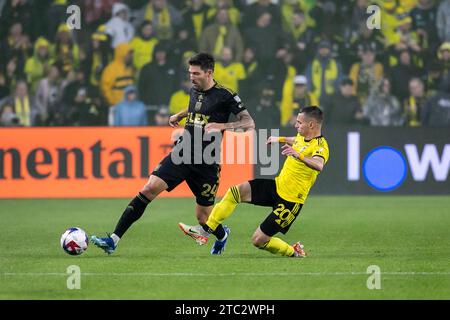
(203, 212)
(259, 238)
(219, 213)
(222, 211)
(241, 193)
(226, 206)
(131, 214)
(272, 244)
(136, 207)
(245, 192)
(154, 186)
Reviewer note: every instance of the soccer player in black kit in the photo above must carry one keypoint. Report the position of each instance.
(210, 106)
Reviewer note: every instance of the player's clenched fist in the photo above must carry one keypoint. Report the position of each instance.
(272, 139)
(174, 120)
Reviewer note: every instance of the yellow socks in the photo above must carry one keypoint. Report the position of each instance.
(278, 246)
(224, 208)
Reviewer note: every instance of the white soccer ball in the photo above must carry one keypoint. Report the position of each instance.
(74, 241)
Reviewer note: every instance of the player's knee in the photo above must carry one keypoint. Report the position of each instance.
(258, 241)
(150, 191)
(245, 192)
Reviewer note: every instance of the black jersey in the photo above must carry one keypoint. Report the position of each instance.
(213, 105)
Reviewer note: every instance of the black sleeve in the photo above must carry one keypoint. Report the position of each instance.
(234, 103)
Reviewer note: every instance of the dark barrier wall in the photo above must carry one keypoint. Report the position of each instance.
(369, 160)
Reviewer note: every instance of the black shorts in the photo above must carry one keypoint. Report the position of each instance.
(202, 179)
(264, 193)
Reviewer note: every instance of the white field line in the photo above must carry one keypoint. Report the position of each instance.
(231, 274)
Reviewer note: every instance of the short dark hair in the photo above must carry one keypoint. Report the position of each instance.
(204, 60)
(313, 112)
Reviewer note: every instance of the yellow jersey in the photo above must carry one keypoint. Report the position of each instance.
(296, 178)
(230, 75)
(178, 102)
(142, 51)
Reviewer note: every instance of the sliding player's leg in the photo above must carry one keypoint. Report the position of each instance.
(279, 220)
(219, 214)
(276, 245)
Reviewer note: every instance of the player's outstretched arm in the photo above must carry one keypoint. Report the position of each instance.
(244, 122)
(288, 140)
(315, 162)
(176, 118)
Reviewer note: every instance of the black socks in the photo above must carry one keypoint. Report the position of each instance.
(132, 213)
(219, 232)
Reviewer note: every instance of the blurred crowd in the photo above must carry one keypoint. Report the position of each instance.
(127, 63)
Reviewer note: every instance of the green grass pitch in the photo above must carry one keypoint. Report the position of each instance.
(406, 237)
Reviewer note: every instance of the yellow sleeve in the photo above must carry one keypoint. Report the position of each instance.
(320, 151)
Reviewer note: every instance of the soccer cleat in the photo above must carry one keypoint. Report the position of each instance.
(219, 246)
(107, 244)
(298, 250)
(195, 232)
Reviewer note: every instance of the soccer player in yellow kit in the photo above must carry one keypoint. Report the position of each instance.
(307, 154)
